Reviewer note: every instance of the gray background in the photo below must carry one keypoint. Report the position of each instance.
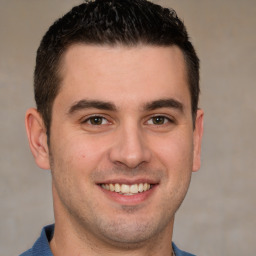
(218, 215)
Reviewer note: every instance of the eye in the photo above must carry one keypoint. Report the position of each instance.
(96, 120)
(159, 120)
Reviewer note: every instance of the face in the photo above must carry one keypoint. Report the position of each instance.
(122, 142)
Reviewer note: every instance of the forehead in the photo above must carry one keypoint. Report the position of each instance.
(123, 74)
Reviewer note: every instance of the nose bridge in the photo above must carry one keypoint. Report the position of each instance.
(130, 148)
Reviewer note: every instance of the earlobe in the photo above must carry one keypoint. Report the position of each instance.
(37, 138)
(198, 133)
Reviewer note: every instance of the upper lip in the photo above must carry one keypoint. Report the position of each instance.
(129, 181)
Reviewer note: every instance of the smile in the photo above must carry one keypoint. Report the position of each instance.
(125, 189)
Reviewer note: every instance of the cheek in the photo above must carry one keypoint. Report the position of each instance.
(175, 152)
(73, 165)
(80, 153)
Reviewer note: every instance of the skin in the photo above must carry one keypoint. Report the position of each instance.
(143, 134)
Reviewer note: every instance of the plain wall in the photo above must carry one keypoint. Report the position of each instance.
(218, 214)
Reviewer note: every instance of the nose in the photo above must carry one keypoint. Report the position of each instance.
(130, 148)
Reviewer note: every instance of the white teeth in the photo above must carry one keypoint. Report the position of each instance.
(127, 189)
(111, 187)
(134, 189)
(141, 187)
(117, 188)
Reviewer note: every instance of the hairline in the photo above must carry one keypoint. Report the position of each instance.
(60, 64)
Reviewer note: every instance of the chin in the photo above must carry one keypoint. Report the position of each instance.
(133, 232)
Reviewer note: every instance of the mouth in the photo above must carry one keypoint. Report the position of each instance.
(127, 190)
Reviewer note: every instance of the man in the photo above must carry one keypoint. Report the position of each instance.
(117, 122)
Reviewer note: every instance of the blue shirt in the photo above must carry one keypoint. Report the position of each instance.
(42, 248)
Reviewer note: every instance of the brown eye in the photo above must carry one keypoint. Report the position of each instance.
(96, 120)
(158, 120)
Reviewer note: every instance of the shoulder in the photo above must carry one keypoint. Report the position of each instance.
(27, 253)
(41, 246)
(179, 252)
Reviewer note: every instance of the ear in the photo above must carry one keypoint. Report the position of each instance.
(37, 138)
(198, 133)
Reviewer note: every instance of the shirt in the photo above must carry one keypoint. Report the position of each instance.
(41, 246)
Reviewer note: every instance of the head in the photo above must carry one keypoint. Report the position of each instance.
(116, 86)
(109, 22)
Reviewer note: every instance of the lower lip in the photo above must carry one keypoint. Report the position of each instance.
(130, 199)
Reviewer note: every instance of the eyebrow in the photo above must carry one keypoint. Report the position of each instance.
(87, 104)
(104, 105)
(164, 103)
